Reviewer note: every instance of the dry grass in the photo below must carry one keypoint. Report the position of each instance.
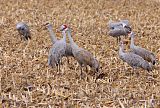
(27, 81)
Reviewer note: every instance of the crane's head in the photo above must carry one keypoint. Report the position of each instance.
(19, 26)
(96, 65)
(63, 27)
(127, 27)
(22, 28)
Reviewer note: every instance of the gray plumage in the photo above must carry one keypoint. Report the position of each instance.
(68, 51)
(112, 25)
(23, 30)
(133, 60)
(145, 54)
(119, 31)
(57, 52)
(82, 56)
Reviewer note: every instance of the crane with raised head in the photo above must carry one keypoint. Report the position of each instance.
(57, 51)
(83, 56)
(68, 50)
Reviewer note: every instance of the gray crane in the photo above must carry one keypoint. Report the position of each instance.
(133, 60)
(145, 54)
(118, 29)
(23, 30)
(68, 50)
(57, 51)
(82, 56)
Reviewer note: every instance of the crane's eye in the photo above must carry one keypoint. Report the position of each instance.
(22, 28)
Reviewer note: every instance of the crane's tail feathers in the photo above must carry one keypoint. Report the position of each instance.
(153, 58)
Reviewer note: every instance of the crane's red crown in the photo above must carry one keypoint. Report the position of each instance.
(63, 27)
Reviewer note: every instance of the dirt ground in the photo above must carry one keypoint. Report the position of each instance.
(28, 82)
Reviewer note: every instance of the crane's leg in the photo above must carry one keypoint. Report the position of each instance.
(133, 71)
(59, 64)
(21, 37)
(86, 69)
(57, 67)
(29, 37)
(117, 40)
(95, 77)
(137, 73)
(81, 73)
(67, 60)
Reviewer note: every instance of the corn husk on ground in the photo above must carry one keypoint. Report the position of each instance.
(27, 81)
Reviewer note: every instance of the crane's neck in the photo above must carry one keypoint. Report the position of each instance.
(132, 42)
(64, 35)
(121, 49)
(52, 35)
(73, 44)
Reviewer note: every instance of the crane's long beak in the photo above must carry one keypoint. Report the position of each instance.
(46, 24)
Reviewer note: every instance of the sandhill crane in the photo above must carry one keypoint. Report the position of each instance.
(145, 54)
(132, 59)
(23, 30)
(57, 51)
(68, 50)
(82, 56)
(119, 28)
(119, 31)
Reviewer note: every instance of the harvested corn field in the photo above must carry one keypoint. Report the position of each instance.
(28, 82)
